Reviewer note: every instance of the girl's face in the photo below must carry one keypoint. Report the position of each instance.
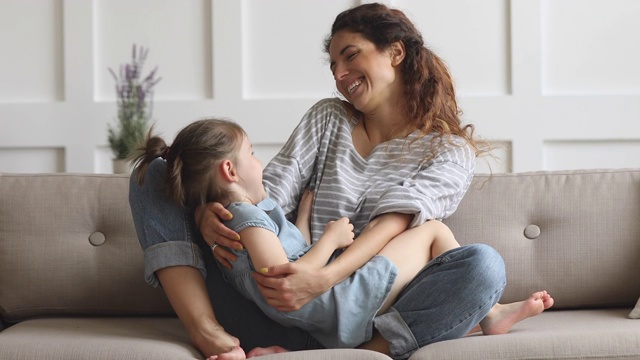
(366, 77)
(249, 170)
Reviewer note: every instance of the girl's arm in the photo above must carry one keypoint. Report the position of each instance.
(369, 243)
(281, 284)
(266, 250)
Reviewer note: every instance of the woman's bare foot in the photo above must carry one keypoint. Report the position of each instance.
(502, 317)
(266, 351)
(235, 354)
(214, 340)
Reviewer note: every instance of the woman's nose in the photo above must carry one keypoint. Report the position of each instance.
(340, 72)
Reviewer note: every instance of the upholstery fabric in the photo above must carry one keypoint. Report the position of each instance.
(159, 338)
(587, 253)
(71, 269)
(59, 215)
(635, 313)
(578, 334)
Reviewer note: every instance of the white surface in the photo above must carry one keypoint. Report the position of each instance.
(557, 81)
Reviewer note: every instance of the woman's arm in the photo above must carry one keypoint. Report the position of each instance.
(303, 221)
(290, 286)
(207, 218)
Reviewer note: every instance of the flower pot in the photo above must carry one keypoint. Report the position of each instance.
(121, 166)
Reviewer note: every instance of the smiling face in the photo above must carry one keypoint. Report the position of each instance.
(367, 77)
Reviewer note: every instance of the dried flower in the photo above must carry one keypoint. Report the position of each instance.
(135, 104)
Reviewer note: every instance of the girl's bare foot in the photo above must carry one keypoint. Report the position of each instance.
(235, 354)
(266, 351)
(502, 317)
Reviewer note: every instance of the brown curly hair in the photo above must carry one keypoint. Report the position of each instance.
(430, 99)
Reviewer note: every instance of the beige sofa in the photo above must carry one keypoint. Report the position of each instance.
(71, 284)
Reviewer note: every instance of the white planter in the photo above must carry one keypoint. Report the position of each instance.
(121, 166)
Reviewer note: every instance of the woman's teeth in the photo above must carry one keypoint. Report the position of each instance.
(354, 85)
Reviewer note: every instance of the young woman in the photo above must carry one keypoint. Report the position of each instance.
(390, 156)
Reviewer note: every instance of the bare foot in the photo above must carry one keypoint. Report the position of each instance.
(235, 354)
(502, 317)
(214, 340)
(266, 351)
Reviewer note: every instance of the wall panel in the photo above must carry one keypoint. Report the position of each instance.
(178, 34)
(554, 84)
(31, 41)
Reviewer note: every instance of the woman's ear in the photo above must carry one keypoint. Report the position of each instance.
(397, 52)
(228, 171)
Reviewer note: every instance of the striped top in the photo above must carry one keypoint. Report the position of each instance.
(397, 176)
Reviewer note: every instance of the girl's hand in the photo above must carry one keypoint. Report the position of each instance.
(214, 232)
(340, 232)
(290, 286)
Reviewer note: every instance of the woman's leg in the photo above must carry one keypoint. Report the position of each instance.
(412, 250)
(447, 298)
(176, 256)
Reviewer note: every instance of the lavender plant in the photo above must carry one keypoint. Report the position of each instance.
(135, 104)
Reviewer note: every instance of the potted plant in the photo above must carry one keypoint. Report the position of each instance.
(135, 104)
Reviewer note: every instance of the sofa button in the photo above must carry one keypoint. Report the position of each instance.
(532, 232)
(97, 238)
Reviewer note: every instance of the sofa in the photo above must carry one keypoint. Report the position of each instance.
(71, 269)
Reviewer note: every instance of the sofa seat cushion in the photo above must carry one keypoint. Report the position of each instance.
(579, 334)
(97, 338)
(125, 338)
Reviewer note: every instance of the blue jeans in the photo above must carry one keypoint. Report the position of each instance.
(446, 299)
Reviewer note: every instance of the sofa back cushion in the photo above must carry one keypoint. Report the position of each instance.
(574, 233)
(68, 247)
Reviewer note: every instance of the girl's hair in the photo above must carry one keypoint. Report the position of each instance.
(191, 159)
(430, 99)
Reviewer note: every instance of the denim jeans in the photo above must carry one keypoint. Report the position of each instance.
(447, 299)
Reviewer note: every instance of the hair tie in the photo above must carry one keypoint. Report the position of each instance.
(165, 153)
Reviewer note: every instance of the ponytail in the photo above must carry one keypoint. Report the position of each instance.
(191, 159)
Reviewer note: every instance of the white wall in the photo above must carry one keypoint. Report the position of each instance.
(556, 83)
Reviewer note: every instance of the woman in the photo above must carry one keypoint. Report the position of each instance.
(400, 111)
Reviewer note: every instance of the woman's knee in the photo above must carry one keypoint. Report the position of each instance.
(486, 264)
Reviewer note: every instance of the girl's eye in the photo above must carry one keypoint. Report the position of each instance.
(352, 55)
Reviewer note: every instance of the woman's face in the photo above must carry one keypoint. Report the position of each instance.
(366, 77)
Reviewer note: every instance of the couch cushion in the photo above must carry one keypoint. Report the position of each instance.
(635, 313)
(573, 233)
(97, 338)
(88, 259)
(125, 338)
(579, 334)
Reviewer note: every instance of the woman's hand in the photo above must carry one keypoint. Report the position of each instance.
(215, 233)
(288, 287)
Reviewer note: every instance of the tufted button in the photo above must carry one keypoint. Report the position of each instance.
(97, 238)
(532, 232)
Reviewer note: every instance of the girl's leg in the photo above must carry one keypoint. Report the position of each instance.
(447, 298)
(412, 250)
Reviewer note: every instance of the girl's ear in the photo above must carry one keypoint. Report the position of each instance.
(228, 171)
(397, 52)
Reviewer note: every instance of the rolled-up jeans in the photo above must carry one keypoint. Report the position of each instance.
(444, 301)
